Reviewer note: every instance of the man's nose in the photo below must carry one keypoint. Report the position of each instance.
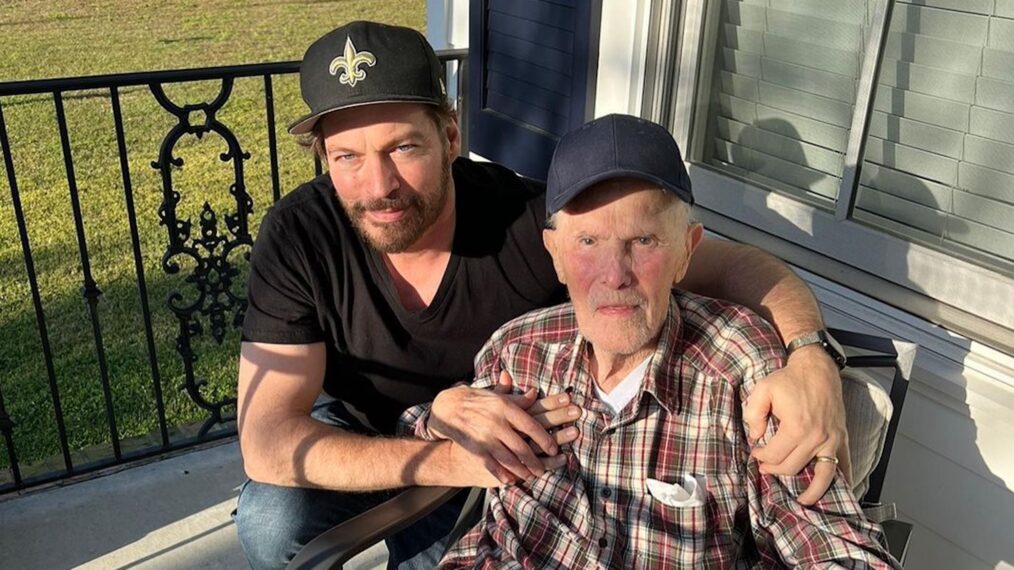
(381, 176)
(617, 269)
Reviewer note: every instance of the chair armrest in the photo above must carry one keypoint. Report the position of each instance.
(340, 543)
(893, 353)
(897, 534)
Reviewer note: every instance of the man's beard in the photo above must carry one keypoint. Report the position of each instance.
(625, 336)
(420, 213)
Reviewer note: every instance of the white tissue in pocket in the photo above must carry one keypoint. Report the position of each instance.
(690, 494)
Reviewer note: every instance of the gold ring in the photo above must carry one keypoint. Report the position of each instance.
(825, 458)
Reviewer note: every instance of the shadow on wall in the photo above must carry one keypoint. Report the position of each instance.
(938, 476)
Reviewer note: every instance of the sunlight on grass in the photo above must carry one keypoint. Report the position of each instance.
(113, 37)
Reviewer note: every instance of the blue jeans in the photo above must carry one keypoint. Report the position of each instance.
(274, 522)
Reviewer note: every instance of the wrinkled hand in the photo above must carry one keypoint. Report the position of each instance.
(494, 426)
(472, 471)
(806, 398)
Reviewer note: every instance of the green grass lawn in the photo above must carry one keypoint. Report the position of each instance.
(44, 40)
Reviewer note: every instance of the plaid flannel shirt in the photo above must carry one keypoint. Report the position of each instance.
(687, 419)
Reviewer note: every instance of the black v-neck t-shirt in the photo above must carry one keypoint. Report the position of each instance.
(313, 279)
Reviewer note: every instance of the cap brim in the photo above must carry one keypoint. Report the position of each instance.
(564, 198)
(305, 124)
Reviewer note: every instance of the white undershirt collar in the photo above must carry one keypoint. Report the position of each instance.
(626, 390)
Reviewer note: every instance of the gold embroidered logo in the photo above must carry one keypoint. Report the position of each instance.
(349, 62)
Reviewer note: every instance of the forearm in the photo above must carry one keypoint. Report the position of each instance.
(283, 445)
(302, 452)
(758, 280)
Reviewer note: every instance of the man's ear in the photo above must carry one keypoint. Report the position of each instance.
(453, 134)
(549, 238)
(695, 233)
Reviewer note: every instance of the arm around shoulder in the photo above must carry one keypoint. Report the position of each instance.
(749, 276)
(806, 394)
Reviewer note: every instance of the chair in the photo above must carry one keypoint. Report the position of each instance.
(872, 416)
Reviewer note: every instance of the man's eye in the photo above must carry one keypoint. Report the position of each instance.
(408, 147)
(347, 157)
(586, 241)
(645, 241)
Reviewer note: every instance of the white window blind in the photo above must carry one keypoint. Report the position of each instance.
(783, 88)
(938, 167)
(939, 162)
(768, 94)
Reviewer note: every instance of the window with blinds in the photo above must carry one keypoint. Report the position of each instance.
(939, 162)
(784, 81)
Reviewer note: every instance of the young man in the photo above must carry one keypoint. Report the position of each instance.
(379, 281)
(661, 475)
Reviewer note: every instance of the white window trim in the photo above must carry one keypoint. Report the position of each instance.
(447, 23)
(623, 40)
(935, 274)
(950, 366)
(984, 294)
(848, 189)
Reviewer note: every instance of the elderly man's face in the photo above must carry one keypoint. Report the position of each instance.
(619, 247)
(391, 167)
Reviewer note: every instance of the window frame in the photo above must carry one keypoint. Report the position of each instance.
(930, 283)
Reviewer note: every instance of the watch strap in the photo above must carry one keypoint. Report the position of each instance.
(804, 340)
(824, 340)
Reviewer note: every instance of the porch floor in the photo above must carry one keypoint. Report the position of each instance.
(172, 513)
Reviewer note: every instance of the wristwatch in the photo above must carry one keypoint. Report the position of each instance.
(825, 340)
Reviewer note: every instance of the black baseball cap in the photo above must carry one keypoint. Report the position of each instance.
(615, 146)
(366, 62)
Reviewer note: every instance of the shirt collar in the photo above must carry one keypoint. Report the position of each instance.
(663, 379)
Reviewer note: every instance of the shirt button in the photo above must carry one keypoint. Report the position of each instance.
(603, 543)
(606, 493)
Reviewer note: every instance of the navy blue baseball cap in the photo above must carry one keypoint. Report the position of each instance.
(615, 146)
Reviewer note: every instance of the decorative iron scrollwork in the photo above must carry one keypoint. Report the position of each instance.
(211, 250)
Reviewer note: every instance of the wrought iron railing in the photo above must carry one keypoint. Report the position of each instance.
(208, 256)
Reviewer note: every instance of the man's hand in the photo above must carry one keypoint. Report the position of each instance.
(472, 471)
(493, 425)
(806, 398)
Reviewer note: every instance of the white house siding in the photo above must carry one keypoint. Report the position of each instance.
(952, 468)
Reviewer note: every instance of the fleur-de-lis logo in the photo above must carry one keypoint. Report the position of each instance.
(349, 63)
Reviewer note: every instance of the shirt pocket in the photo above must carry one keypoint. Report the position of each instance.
(689, 536)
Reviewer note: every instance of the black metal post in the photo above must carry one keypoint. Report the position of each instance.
(142, 287)
(269, 103)
(7, 428)
(33, 283)
(90, 291)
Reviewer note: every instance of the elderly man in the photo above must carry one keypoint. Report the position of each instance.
(661, 474)
(377, 283)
